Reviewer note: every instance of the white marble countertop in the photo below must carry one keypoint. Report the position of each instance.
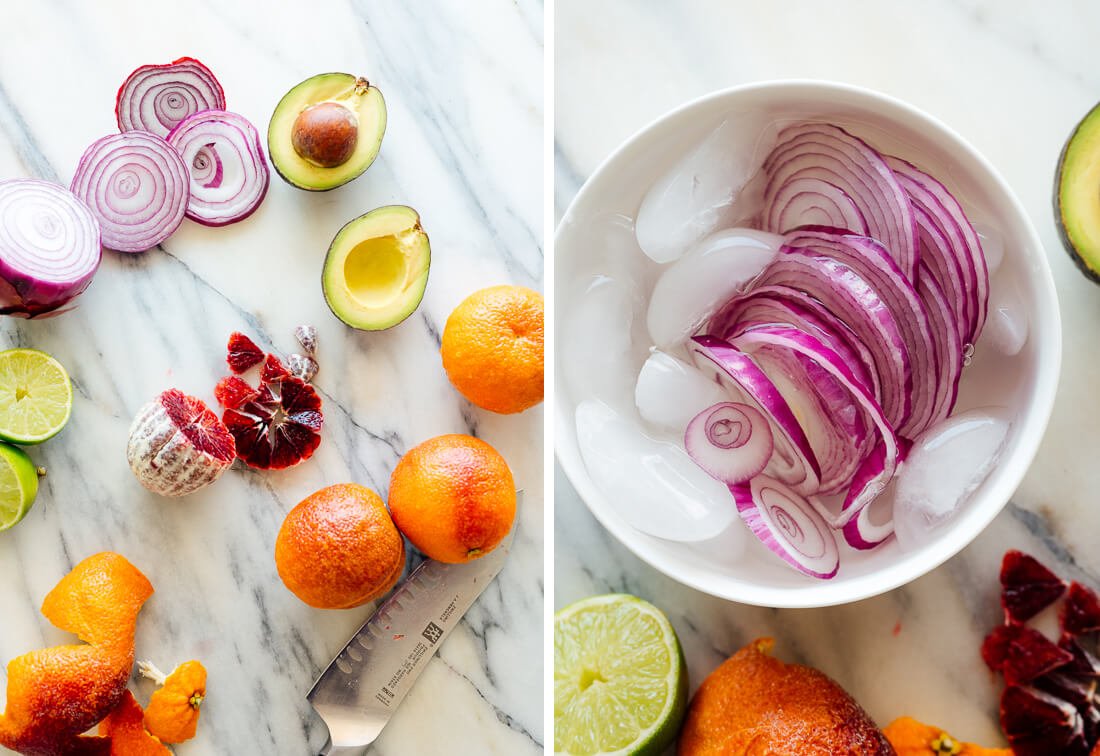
(464, 147)
(1013, 78)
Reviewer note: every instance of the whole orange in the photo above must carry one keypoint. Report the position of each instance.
(453, 497)
(493, 348)
(338, 548)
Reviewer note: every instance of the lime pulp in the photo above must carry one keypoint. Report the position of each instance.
(36, 396)
(620, 682)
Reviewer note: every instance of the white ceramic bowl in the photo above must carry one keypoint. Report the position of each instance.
(1026, 387)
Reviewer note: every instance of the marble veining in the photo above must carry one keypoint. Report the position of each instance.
(1013, 78)
(463, 147)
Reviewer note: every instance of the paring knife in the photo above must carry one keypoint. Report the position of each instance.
(365, 683)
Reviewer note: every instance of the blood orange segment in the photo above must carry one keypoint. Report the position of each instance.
(273, 370)
(280, 427)
(1022, 654)
(1037, 723)
(232, 392)
(198, 424)
(1028, 587)
(1081, 611)
(243, 353)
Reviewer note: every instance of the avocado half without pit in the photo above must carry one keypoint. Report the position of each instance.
(326, 131)
(1077, 195)
(377, 268)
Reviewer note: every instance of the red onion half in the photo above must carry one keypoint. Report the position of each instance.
(49, 247)
(137, 187)
(229, 174)
(156, 98)
(731, 442)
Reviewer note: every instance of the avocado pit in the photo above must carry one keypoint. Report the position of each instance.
(325, 134)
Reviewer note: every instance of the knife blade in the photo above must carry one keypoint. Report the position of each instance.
(362, 687)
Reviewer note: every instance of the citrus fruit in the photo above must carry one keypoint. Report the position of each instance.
(912, 738)
(36, 396)
(55, 694)
(338, 548)
(177, 445)
(173, 711)
(754, 703)
(126, 729)
(620, 682)
(453, 497)
(18, 485)
(493, 348)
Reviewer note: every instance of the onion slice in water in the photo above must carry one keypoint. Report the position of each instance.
(155, 98)
(49, 247)
(229, 174)
(731, 442)
(137, 187)
(793, 460)
(788, 525)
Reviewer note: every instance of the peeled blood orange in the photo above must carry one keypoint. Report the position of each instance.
(177, 445)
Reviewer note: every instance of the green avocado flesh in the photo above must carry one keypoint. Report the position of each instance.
(364, 107)
(376, 269)
(1077, 195)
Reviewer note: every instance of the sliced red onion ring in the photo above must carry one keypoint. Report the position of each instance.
(853, 300)
(137, 187)
(49, 247)
(873, 263)
(788, 525)
(868, 482)
(945, 341)
(951, 220)
(781, 304)
(229, 174)
(874, 523)
(155, 98)
(731, 442)
(793, 460)
(845, 171)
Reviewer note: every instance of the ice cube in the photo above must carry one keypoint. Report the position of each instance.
(652, 485)
(696, 196)
(993, 246)
(716, 269)
(1006, 325)
(945, 466)
(596, 351)
(670, 392)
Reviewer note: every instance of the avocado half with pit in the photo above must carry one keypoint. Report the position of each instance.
(326, 131)
(376, 269)
(1077, 195)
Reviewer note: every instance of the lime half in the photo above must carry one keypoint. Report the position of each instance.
(620, 682)
(36, 396)
(18, 485)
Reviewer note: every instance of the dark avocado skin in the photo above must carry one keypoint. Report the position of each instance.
(1078, 260)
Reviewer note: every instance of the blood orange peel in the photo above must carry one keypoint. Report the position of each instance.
(177, 445)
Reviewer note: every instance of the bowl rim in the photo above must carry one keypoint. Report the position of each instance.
(826, 593)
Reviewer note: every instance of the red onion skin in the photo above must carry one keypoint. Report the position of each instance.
(21, 294)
